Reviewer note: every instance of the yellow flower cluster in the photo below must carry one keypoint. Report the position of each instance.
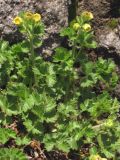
(28, 15)
(36, 17)
(87, 15)
(96, 157)
(86, 27)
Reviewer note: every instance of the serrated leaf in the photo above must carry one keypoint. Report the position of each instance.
(22, 47)
(37, 42)
(61, 55)
(30, 127)
(22, 141)
(3, 45)
(38, 29)
(12, 154)
(6, 134)
(63, 146)
(107, 153)
(93, 45)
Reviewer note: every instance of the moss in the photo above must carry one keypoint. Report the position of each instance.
(112, 23)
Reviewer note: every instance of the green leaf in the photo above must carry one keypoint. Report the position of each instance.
(43, 109)
(27, 103)
(6, 107)
(73, 143)
(3, 45)
(87, 83)
(38, 29)
(22, 141)
(93, 151)
(36, 71)
(63, 146)
(25, 47)
(6, 134)
(51, 76)
(12, 154)
(67, 32)
(22, 47)
(61, 55)
(92, 44)
(37, 42)
(31, 127)
(49, 142)
(107, 153)
(18, 89)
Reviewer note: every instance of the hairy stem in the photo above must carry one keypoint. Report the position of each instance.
(32, 59)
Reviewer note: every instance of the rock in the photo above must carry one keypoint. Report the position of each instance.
(110, 40)
(54, 14)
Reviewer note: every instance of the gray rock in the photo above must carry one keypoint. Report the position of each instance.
(110, 40)
(54, 14)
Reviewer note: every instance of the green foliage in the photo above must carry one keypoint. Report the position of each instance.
(6, 134)
(11, 154)
(65, 103)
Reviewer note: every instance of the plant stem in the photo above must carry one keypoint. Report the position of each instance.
(32, 59)
(73, 51)
(32, 51)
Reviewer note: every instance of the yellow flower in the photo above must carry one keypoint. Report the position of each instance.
(95, 157)
(36, 17)
(76, 26)
(17, 20)
(87, 15)
(103, 159)
(28, 15)
(109, 123)
(86, 27)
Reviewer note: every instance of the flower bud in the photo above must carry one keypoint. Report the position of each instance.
(86, 27)
(76, 26)
(36, 17)
(28, 15)
(17, 20)
(87, 15)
